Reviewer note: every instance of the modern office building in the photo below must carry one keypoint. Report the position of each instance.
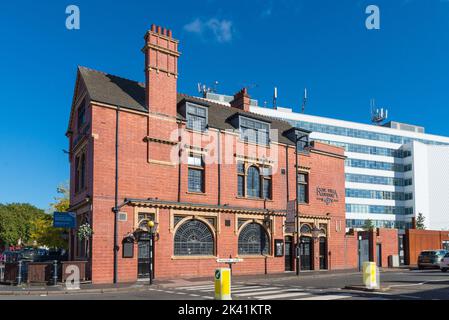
(393, 171)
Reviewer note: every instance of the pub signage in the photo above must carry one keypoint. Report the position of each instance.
(326, 195)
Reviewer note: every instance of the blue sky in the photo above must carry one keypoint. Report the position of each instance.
(321, 45)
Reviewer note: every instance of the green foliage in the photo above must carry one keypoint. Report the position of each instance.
(369, 225)
(16, 221)
(420, 225)
(62, 203)
(44, 234)
(32, 226)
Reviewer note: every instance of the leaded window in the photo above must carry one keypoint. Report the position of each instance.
(253, 182)
(266, 188)
(253, 240)
(240, 179)
(80, 173)
(305, 229)
(303, 188)
(254, 131)
(195, 173)
(194, 238)
(81, 114)
(196, 118)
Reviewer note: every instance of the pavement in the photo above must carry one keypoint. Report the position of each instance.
(401, 284)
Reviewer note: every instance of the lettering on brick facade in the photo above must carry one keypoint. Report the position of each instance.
(326, 195)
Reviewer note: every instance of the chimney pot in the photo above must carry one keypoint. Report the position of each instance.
(242, 100)
(170, 34)
(159, 29)
(153, 27)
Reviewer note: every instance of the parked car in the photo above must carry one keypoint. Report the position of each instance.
(431, 259)
(28, 254)
(12, 256)
(444, 264)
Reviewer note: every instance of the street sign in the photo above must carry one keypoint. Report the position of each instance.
(291, 212)
(66, 220)
(230, 260)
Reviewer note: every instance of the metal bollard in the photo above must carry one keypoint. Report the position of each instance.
(19, 275)
(55, 272)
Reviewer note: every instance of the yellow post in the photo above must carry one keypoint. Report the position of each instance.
(370, 275)
(223, 284)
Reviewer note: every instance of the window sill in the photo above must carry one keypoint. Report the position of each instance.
(255, 199)
(196, 193)
(203, 133)
(268, 146)
(193, 257)
(254, 257)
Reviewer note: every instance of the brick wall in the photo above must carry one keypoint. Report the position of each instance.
(149, 146)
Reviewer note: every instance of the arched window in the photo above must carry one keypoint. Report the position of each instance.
(253, 182)
(305, 228)
(194, 238)
(253, 240)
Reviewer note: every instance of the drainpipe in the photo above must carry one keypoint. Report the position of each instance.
(116, 208)
(179, 164)
(219, 167)
(286, 173)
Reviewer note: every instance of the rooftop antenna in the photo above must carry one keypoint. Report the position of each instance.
(275, 97)
(304, 101)
(378, 115)
(204, 89)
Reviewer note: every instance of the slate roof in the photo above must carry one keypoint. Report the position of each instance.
(117, 91)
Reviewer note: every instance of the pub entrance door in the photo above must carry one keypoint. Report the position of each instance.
(306, 249)
(323, 253)
(288, 253)
(143, 254)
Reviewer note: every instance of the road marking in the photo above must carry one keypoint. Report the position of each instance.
(250, 294)
(254, 289)
(212, 289)
(325, 297)
(283, 295)
(411, 297)
(198, 287)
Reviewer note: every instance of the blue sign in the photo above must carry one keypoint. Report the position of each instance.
(66, 220)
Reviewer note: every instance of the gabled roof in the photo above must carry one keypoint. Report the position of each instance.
(113, 90)
(129, 94)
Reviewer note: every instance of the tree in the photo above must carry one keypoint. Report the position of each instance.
(43, 232)
(62, 203)
(369, 225)
(16, 220)
(420, 222)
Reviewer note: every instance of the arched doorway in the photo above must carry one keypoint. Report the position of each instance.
(289, 253)
(306, 253)
(306, 247)
(143, 255)
(323, 253)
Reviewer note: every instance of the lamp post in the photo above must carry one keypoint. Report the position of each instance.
(299, 135)
(152, 227)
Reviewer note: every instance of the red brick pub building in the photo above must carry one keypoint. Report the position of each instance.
(216, 179)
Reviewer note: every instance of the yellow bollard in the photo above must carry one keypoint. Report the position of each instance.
(223, 284)
(370, 275)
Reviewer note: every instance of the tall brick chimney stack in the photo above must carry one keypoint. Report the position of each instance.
(161, 70)
(241, 100)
